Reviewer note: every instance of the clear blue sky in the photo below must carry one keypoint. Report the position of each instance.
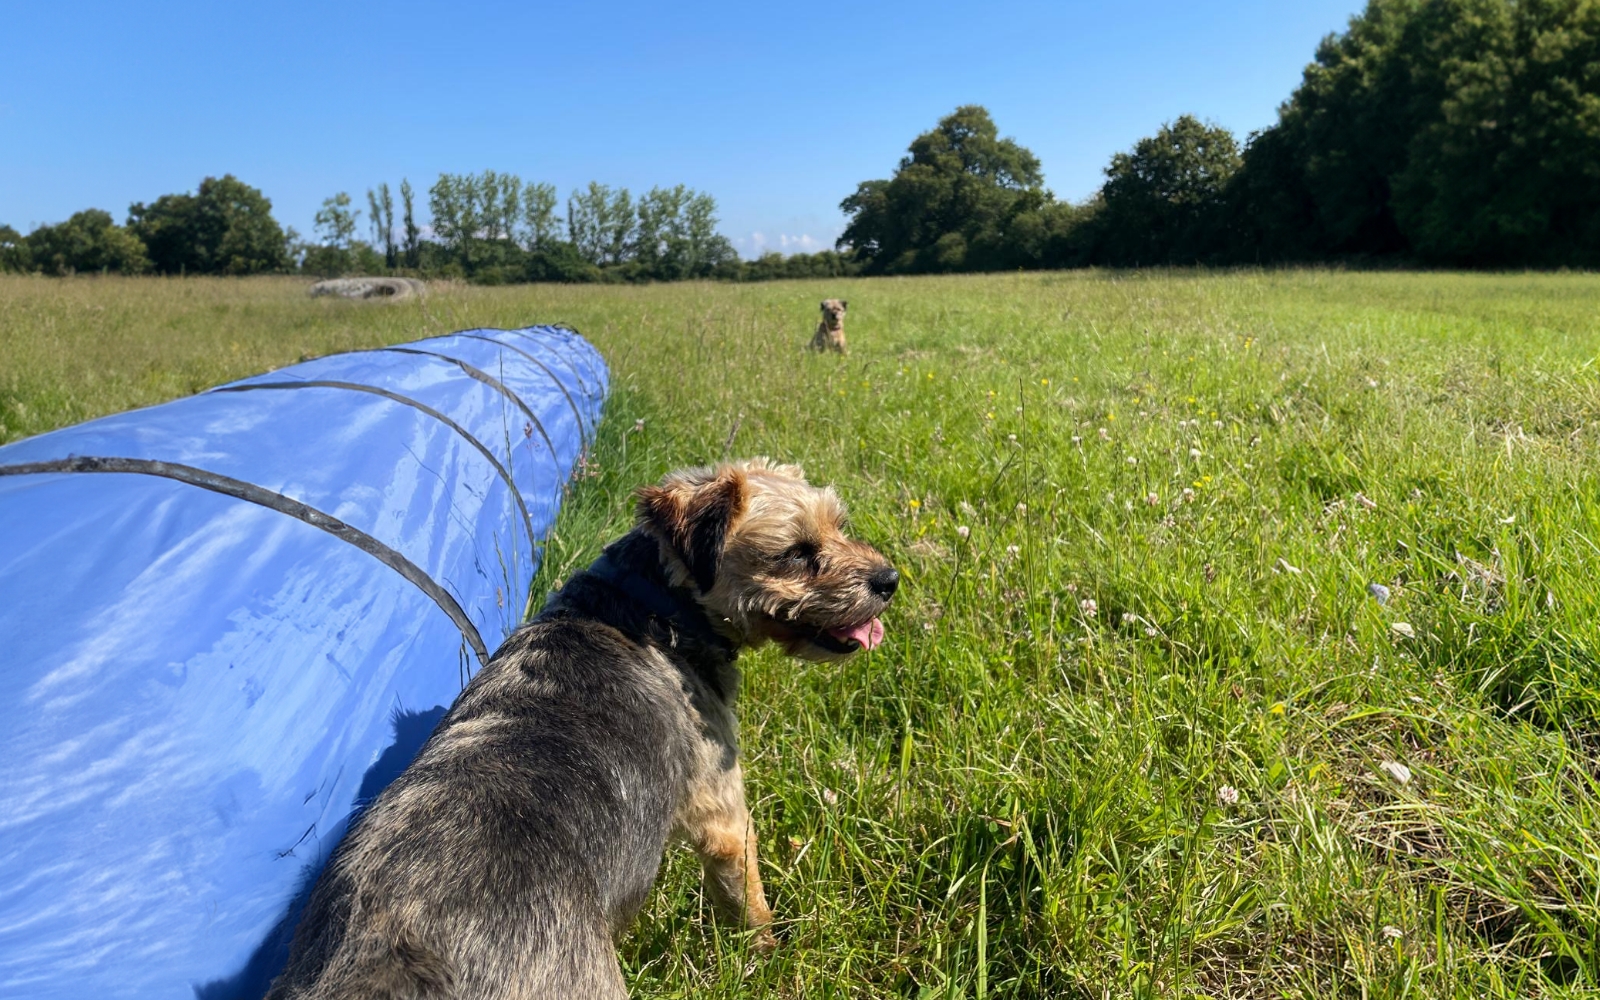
(777, 110)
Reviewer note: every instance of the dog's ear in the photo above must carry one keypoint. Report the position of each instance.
(824, 305)
(843, 305)
(692, 513)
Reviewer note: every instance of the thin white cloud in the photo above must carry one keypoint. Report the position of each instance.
(758, 243)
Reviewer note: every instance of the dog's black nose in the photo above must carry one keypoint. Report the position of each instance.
(884, 582)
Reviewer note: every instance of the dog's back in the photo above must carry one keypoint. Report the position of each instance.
(526, 834)
(529, 829)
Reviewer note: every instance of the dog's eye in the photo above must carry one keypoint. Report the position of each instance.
(799, 556)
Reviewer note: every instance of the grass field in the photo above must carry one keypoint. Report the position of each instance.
(1139, 726)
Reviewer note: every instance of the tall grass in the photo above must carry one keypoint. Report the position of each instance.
(1135, 727)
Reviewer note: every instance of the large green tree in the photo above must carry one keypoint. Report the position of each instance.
(380, 209)
(955, 202)
(14, 252)
(89, 241)
(337, 250)
(676, 235)
(1509, 168)
(1164, 201)
(413, 237)
(456, 204)
(225, 228)
(336, 222)
(1461, 131)
(602, 223)
(539, 221)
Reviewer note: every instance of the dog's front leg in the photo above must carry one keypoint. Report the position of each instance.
(718, 826)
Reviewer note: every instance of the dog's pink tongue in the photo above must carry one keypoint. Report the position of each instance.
(866, 635)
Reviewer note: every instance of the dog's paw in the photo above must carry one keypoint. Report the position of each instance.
(764, 942)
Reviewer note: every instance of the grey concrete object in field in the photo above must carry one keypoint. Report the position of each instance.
(393, 289)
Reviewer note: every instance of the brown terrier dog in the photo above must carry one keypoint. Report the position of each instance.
(528, 831)
(830, 332)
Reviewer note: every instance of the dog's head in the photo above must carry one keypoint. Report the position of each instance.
(766, 551)
(833, 312)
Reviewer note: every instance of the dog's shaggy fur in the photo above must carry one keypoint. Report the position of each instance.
(830, 332)
(528, 831)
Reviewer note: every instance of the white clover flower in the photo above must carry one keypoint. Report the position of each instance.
(1396, 770)
(1105, 435)
(1152, 500)
(1089, 607)
(1013, 550)
(1392, 933)
(1194, 452)
(1188, 495)
(963, 531)
(830, 796)
(1132, 460)
(1227, 796)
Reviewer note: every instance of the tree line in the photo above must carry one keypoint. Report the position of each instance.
(1434, 132)
(225, 228)
(490, 228)
(495, 228)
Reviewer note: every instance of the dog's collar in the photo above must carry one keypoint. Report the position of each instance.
(673, 606)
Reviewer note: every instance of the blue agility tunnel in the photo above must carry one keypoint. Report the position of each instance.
(228, 621)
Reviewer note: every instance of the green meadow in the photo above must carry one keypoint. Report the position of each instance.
(1249, 644)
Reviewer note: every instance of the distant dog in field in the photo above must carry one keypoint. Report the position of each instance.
(526, 835)
(830, 332)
